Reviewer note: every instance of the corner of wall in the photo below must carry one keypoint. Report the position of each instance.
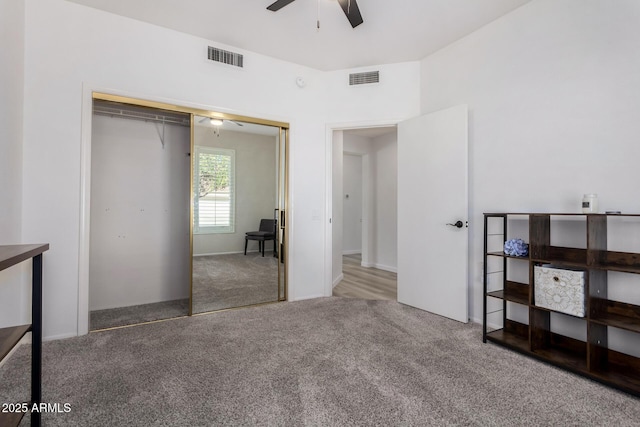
(14, 281)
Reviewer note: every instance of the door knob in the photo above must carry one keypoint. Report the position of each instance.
(458, 224)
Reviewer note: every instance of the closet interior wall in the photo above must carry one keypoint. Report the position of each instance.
(140, 197)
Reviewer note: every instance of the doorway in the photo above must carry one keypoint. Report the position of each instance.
(432, 165)
(364, 212)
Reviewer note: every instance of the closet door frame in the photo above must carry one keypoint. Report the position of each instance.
(89, 96)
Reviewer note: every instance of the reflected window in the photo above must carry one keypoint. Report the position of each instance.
(214, 190)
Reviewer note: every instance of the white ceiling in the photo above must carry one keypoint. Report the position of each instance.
(393, 31)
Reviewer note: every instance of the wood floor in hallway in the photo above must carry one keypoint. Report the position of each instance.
(365, 283)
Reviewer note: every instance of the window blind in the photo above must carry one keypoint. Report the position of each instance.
(214, 190)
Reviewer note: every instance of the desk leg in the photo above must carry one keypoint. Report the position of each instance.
(36, 337)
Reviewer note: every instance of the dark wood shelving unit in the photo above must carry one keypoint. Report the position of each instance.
(9, 337)
(591, 357)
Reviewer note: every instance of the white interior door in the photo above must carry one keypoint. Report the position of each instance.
(432, 192)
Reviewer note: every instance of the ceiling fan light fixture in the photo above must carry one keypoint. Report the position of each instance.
(217, 122)
(349, 7)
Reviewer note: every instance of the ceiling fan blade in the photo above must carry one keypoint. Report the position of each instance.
(351, 9)
(278, 5)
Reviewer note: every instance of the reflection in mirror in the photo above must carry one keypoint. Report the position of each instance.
(235, 209)
(283, 143)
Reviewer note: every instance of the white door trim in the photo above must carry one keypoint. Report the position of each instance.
(328, 239)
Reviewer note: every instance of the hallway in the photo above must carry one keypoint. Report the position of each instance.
(365, 283)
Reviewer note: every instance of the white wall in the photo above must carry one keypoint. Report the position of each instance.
(68, 47)
(384, 159)
(337, 204)
(14, 282)
(352, 205)
(255, 178)
(362, 146)
(396, 97)
(140, 192)
(554, 97)
(380, 184)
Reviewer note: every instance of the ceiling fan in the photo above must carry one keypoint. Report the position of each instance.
(350, 8)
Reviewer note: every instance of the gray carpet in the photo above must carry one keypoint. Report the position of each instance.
(322, 362)
(234, 280)
(121, 316)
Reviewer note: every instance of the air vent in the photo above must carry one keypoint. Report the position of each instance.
(364, 78)
(226, 57)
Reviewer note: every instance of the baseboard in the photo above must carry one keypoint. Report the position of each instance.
(490, 326)
(60, 337)
(152, 301)
(309, 297)
(228, 253)
(338, 279)
(352, 252)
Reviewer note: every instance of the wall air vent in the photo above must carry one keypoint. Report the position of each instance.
(226, 57)
(364, 78)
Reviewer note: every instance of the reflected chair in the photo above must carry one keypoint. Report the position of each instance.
(266, 232)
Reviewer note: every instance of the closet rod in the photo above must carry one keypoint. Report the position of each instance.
(156, 118)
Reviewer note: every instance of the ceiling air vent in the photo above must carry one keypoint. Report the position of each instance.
(226, 57)
(364, 78)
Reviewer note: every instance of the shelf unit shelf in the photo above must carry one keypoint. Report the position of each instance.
(513, 291)
(563, 358)
(503, 255)
(9, 337)
(634, 269)
(614, 375)
(590, 357)
(509, 339)
(11, 255)
(11, 419)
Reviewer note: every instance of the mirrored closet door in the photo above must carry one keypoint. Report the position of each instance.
(238, 212)
(187, 212)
